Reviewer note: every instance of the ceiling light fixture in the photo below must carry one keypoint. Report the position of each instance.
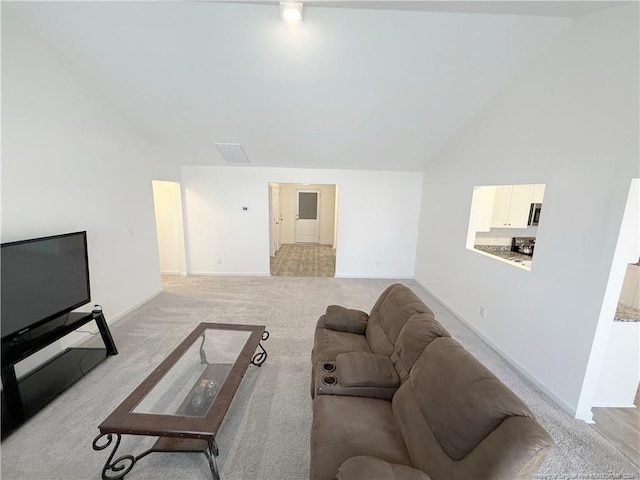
(291, 12)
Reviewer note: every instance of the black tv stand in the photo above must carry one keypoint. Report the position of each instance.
(23, 398)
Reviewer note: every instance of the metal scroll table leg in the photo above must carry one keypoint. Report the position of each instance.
(211, 453)
(118, 468)
(260, 357)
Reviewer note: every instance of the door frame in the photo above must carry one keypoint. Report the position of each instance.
(275, 220)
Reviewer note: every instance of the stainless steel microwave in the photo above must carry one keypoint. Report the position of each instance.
(534, 213)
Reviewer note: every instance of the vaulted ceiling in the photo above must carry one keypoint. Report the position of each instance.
(362, 85)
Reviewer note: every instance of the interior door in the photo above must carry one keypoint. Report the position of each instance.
(308, 216)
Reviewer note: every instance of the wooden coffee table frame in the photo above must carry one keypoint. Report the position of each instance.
(178, 433)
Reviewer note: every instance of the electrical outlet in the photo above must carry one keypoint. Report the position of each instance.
(219, 260)
(483, 311)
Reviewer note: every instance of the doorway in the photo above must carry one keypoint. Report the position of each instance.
(167, 203)
(615, 398)
(303, 229)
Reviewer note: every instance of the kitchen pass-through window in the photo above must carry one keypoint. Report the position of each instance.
(504, 222)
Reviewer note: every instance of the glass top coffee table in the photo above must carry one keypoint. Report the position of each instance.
(184, 400)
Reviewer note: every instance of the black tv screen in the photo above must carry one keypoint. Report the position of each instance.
(41, 280)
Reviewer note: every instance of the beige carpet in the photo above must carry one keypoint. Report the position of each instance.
(265, 435)
(304, 260)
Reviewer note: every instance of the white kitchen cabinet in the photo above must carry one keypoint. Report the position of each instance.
(511, 206)
(538, 193)
(501, 206)
(482, 208)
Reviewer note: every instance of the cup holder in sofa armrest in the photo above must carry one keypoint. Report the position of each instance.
(329, 380)
(328, 366)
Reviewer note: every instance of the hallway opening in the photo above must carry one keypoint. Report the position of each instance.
(303, 229)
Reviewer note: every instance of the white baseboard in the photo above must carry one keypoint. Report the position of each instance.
(614, 405)
(86, 334)
(585, 416)
(119, 316)
(376, 277)
(588, 418)
(231, 274)
(174, 273)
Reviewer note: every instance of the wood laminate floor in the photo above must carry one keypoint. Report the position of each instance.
(621, 427)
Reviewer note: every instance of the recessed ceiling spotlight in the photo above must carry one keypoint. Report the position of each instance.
(291, 12)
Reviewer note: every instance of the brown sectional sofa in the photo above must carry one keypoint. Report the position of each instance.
(409, 402)
(373, 353)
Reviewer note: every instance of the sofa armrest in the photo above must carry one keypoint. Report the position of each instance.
(343, 320)
(364, 467)
(358, 369)
(515, 449)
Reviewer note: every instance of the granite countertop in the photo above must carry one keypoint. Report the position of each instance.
(504, 251)
(626, 313)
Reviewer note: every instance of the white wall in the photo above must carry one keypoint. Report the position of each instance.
(70, 162)
(618, 383)
(327, 214)
(571, 122)
(377, 219)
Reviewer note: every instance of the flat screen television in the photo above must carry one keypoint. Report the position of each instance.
(42, 279)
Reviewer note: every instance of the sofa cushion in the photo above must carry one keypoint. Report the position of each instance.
(459, 421)
(389, 314)
(418, 332)
(357, 369)
(516, 449)
(345, 427)
(461, 399)
(372, 468)
(329, 343)
(425, 451)
(343, 319)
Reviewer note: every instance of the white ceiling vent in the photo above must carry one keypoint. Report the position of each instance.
(232, 152)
